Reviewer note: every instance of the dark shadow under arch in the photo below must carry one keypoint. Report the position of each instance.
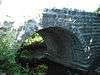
(64, 47)
(60, 45)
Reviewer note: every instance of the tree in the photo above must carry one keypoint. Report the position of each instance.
(98, 10)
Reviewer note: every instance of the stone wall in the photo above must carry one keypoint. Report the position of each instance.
(85, 26)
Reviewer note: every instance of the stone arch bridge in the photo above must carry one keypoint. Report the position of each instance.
(72, 38)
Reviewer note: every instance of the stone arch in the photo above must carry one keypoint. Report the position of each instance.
(60, 45)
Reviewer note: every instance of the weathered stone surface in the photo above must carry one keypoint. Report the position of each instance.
(78, 47)
(72, 37)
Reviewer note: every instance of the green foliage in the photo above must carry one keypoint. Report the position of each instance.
(98, 10)
(6, 47)
(34, 39)
(8, 52)
(40, 70)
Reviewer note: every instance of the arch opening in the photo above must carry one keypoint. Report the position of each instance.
(55, 44)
